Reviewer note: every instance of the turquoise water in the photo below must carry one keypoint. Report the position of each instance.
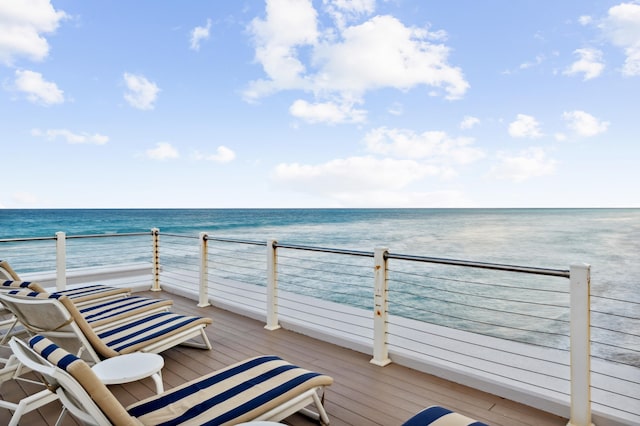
(607, 239)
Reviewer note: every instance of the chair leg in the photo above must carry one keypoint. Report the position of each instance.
(30, 403)
(321, 414)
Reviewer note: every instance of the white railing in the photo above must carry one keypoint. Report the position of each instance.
(263, 279)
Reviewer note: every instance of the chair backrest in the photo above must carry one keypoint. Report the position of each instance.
(79, 389)
(6, 272)
(51, 316)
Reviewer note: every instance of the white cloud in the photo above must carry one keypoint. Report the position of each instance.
(24, 198)
(525, 165)
(525, 126)
(396, 109)
(622, 28)
(382, 52)
(584, 124)
(435, 147)
(37, 89)
(590, 63)
(468, 122)
(372, 198)
(367, 182)
(142, 93)
(342, 63)
(344, 11)
(538, 60)
(288, 24)
(327, 112)
(23, 24)
(585, 20)
(351, 174)
(71, 137)
(222, 155)
(561, 137)
(198, 34)
(163, 151)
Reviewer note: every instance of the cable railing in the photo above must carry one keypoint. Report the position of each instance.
(510, 328)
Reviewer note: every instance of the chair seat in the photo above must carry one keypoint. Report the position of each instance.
(92, 292)
(139, 334)
(123, 308)
(240, 392)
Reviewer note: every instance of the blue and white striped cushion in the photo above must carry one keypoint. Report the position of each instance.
(10, 284)
(438, 416)
(92, 292)
(135, 335)
(121, 308)
(238, 393)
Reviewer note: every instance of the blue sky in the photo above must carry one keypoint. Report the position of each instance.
(324, 103)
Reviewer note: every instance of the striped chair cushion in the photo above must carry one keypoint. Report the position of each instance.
(92, 292)
(81, 371)
(238, 393)
(134, 336)
(438, 416)
(119, 309)
(11, 284)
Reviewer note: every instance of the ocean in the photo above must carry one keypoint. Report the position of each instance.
(607, 239)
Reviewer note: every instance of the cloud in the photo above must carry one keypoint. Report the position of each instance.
(70, 137)
(344, 11)
(163, 151)
(538, 60)
(525, 165)
(590, 63)
(525, 126)
(23, 25)
(351, 174)
(340, 64)
(622, 28)
(585, 20)
(222, 155)
(24, 198)
(584, 124)
(38, 90)
(366, 182)
(327, 112)
(396, 109)
(435, 147)
(468, 122)
(142, 93)
(198, 34)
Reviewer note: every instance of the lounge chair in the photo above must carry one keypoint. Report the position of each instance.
(264, 388)
(101, 305)
(79, 294)
(439, 416)
(58, 318)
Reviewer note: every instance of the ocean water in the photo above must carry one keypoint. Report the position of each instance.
(607, 239)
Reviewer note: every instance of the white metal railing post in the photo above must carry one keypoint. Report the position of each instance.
(272, 286)
(61, 260)
(155, 235)
(380, 308)
(204, 271)
(580, 338)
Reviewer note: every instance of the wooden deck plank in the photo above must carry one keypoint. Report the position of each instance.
(363, 394)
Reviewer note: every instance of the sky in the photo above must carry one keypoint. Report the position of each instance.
(323, 103)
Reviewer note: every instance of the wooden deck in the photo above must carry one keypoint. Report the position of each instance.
(362, 394)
